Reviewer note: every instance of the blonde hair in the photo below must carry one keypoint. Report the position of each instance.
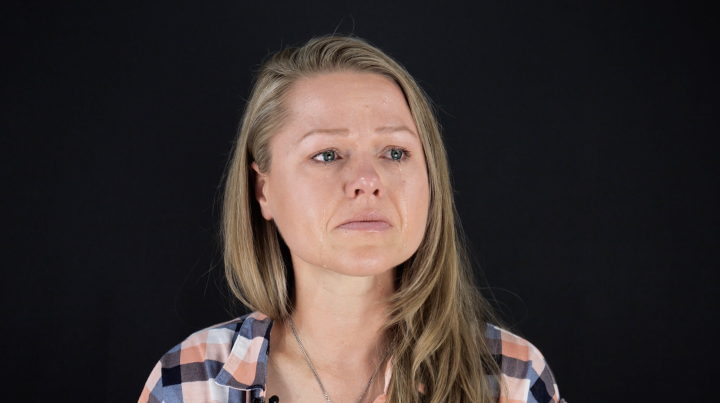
(436, 314)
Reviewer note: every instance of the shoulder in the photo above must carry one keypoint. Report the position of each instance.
(200, 358)
(525, 372)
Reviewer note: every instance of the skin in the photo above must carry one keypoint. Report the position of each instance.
(348, 223)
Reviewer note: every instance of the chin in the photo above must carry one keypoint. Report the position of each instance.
(362, 265)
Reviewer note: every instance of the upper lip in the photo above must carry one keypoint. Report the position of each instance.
(370, 216)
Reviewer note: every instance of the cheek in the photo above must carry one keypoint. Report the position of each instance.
(418, 205)
(299, 205)
(409, 189)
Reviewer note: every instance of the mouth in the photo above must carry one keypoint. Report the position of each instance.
(373, 222)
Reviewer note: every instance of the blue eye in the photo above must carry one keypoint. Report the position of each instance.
(328, 156)
(396, 154)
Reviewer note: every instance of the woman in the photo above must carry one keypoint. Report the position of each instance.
(339, 232)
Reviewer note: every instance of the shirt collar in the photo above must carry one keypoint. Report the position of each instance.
(246, 366)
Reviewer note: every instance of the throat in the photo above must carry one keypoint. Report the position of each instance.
(302, 370)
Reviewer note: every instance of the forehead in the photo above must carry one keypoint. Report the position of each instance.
(347, 99)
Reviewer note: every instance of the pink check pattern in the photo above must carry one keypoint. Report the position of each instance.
(227, 363)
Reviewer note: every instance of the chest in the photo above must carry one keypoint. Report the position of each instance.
(294, 383)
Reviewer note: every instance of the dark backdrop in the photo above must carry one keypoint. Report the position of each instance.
(582, 138)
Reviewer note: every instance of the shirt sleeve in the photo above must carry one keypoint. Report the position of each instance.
(153, 389)
(544, 389)
(526, 376)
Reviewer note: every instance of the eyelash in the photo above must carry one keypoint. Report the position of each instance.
(405, 156)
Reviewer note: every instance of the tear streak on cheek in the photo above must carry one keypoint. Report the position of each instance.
(403, 201)
(323, 228)
(322, 240)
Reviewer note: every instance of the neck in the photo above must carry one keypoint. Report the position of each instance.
(340, 318)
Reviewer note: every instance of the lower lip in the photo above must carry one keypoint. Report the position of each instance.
(366, 225)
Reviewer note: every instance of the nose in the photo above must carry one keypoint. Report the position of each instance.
(363, 180)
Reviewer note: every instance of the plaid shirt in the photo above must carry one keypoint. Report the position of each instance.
(227, 363)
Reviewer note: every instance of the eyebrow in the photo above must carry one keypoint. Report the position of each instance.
(342, 132)
(345, 132)
(394, 129)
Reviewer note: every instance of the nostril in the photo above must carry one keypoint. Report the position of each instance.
(365, 184)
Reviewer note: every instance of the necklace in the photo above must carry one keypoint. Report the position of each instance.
(316, 374)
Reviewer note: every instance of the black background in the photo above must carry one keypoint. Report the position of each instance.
(582, 138)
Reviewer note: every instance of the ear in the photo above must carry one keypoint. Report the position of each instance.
(260, 182)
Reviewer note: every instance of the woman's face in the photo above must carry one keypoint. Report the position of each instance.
(348, 184)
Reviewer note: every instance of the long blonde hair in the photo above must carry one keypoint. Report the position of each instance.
(436, 313)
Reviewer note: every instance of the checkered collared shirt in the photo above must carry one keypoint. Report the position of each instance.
(227, 363)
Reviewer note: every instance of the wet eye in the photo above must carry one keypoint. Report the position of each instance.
(396, 154)
(326, 156)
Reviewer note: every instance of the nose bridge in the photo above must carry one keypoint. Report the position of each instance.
(363, 178)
